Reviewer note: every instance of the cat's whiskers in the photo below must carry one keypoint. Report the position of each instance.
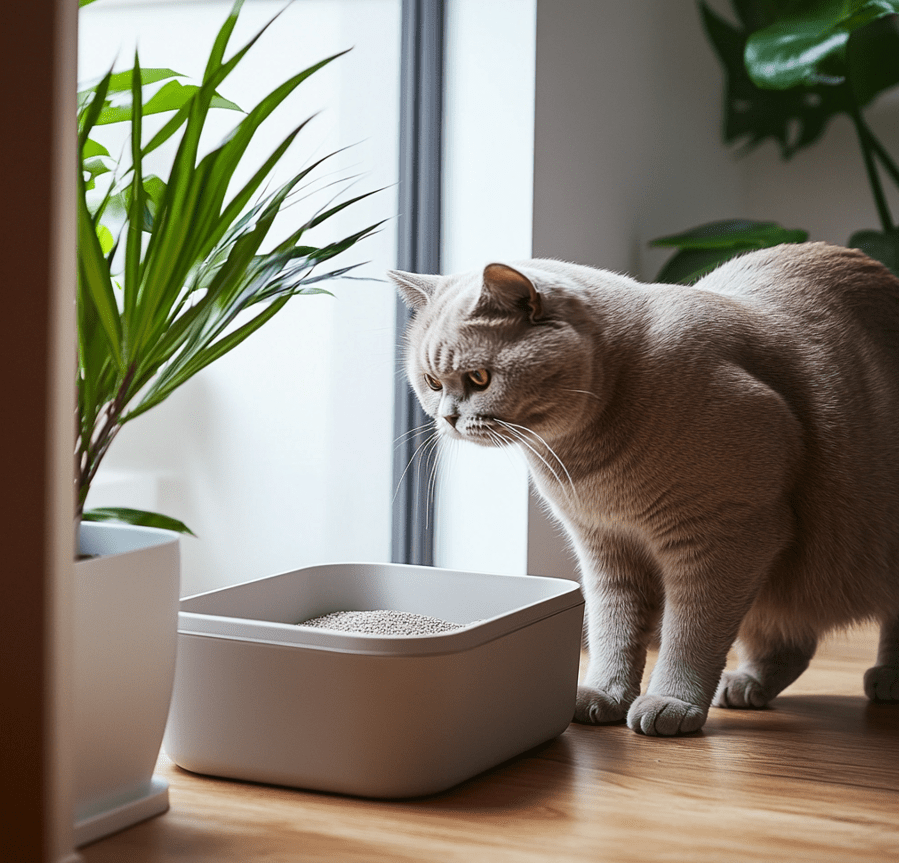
(411, 433)
(428, 442)
(437, 469)
(450, 449)
(549, 449)
(514, 456)
(524, 442)
(518, 432)
(497, 439)
(430, 455)
(440, 449)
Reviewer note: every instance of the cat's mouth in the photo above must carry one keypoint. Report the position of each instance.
(483, 430)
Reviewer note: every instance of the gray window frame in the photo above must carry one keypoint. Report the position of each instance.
(420, 173)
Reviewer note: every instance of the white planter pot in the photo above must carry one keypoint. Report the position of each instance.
(125, 618)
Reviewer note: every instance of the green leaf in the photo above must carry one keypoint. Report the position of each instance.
(135, 209)
(214, 63)
(228, 156)
(792, 118)
(92, 149)
(154, 188)
(104, 235)
(137, 517)
(220, 102)
(744, 233)
(154, 191)
(873, 59)
(94, 282)
(120, 82)
(882, 246)
(93, 168)
(705, 247)
(807, 44)
(89, 109)
(170, 97)
(687, 266)
(174, 94)
(192, 218)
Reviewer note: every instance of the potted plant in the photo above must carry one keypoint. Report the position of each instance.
(790, 68)
(171, 276)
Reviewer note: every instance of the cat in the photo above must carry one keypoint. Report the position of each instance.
(723, 457)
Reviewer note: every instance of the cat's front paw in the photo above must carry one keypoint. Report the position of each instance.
(741, 690)
(595, 707)
(664, 716)
(882, 683)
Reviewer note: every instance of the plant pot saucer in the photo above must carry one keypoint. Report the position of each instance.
(153, 801)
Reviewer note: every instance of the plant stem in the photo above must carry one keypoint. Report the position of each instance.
(867, 143)
(95, 447)
(882, 154)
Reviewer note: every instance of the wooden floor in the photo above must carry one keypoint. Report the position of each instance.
(814, 778)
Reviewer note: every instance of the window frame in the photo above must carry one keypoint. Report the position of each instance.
(421, 151)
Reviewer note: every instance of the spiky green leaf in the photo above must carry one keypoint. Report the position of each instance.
(139, 517)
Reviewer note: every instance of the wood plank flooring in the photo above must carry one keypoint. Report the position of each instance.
(815, 778)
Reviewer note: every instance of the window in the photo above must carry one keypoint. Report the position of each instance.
(279, 455)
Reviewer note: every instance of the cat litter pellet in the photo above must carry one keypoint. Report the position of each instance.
(381, 622)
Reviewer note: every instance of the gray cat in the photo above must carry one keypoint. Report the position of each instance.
(723, 456)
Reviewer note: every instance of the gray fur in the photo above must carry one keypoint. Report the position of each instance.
(723, 457)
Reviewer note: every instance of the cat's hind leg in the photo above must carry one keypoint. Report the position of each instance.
(767, 667)
(882, 681)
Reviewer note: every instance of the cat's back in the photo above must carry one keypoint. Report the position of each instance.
(829, 293)
(819, 324)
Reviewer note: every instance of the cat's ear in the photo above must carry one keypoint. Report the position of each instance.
(415, 289)
(508, 291)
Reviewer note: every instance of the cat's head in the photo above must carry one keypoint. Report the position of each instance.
(493, 353)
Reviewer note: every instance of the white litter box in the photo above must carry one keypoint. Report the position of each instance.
(259, 698)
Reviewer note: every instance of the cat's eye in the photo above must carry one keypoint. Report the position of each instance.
(433, 383)
(480, 378)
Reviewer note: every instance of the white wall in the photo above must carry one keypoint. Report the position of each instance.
(627, 131)
(279, 455)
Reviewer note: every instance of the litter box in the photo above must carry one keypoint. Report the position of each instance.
(259, 698)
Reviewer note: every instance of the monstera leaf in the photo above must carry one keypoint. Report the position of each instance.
(883, 246)
(808, 43)
(783, 70)
(705, 247)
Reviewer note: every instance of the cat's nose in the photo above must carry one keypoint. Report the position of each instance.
(451, 419)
